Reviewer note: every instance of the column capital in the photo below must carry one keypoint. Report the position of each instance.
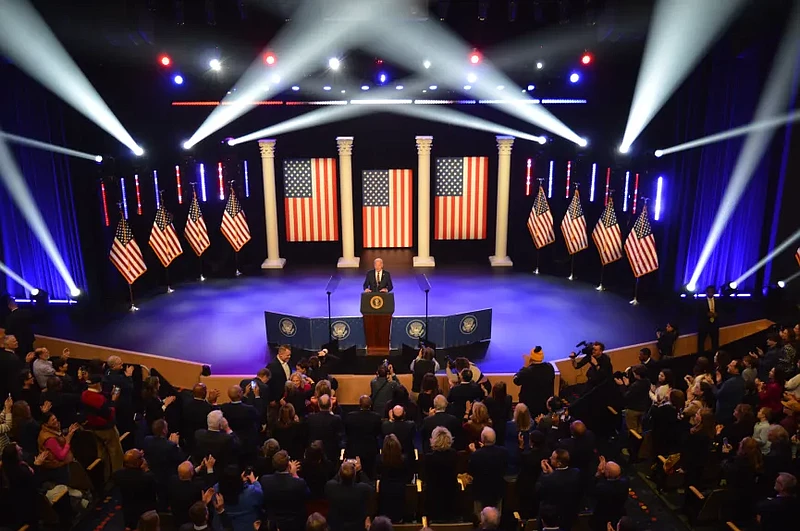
(267, 147)
(424, 144)
(345, 145)
(504, 144)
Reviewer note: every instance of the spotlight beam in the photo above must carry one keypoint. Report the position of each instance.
(680, 34)
(11, 175)
(772, 254)
(301, 44)
(791, 277)
(29, 43)
(30, 142)
(309, 119)
(15, 277)
(771, 123)
(774, 100)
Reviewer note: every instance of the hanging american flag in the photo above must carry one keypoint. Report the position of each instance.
(640, 246)
(607, 236)
(234, 224)
(573, 226)
(540, 221)
(387, 208)
(797, 255)
(196, 232)
(125, 253)
(309, 187)
(163, 238)
(461, 198)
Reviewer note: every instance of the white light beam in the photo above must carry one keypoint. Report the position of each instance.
(772, 254)
(304, 121)
(30, 142)
(16, 278)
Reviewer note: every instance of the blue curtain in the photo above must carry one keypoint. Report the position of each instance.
(731, 93)
(29, 111)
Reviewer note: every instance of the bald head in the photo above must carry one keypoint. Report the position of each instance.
(398, 412)
(365, 403)
(324, 403)
(577, 428)
(490, 518)
(235, 393)
(133, 459)
(114, 362)
(185, 471)
(199, 391)
(488, 437)
(613, 470)
(347, 472)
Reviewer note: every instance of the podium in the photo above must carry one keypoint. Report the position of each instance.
(377, 310)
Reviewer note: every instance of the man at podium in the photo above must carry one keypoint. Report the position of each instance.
(377, 279)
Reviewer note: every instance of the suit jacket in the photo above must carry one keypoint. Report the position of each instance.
(225, 448)
(363, 429)
(637, 395)
(163, 456)
(19, 324)
(780, 512)
(182, 494)
(250, 398)
(404, 430)
(371, 281)
(328, 428)
(138, 490)
(10, 367)
(558, 489)
(445, 420)
(729, 396)
(292, 438)
(277, 379)
(610, 496)
(194, 418)
(244, 421)
(285, 501)
(581, 453)
(348, 505)
(487, 466)
(703, 320)
(536, 386)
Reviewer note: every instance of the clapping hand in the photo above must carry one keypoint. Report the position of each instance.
(46, 406)
(41, 458)
(210, 462)
(601, 466)
(174, 437)
(207, 495)
(169, 400)
(219, 506)
(8, 403)
(546, 467)
(521, 440)
(29, 357)
(129, 371)
(720, 427)
(294, 467)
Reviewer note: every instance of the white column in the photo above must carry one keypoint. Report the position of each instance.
(273, 261)
(345, 145)
(424, 258)
(500, 258)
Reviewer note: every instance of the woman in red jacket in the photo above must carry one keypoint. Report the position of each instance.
(771, 393)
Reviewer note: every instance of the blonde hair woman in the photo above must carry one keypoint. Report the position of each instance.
(478, 420)
(440, 476)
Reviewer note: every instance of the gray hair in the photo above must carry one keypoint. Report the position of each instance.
(488, 436)
(441, 439)
(214, 420)
(490, 518)
(440, 403)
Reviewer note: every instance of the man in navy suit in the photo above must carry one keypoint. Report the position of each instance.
(285, 494)
(378, 279)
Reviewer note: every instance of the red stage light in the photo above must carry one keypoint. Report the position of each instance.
(165, 60)
(270, 59)
(475, 58)
(586, 59)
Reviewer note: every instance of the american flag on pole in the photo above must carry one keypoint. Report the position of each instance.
(797, 255)
(125, 253)
(640, 246)
(234, 224)
(309, 187)
(196, 232)
(163, 238)
(607, 236)
(461, 198)
(573, 226)
(540, 221)
(387, 208)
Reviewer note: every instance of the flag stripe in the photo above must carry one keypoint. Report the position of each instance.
(387, 208)
(573, 226)
(125, 253)
(461, 198)
(310, 201)
(540, 221)
(640, 246)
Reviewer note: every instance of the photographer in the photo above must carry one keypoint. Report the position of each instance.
(423, 364)
(666, 340)
(636, 394)
(382, 387)
(456, 367)
(600, 370)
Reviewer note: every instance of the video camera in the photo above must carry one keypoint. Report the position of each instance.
(587, 347)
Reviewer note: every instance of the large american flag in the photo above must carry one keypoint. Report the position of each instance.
(607, 236)
(312, 210)
(640, 246)
(234, 224)
(387, 208)
(461, 198)
(196, 232)
(573, 226)
(797, 255)
(125, 253)
(540, 221)
(163, 238)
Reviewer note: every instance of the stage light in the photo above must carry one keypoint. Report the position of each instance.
(270, 59)
(467, 87)
(39, 296)
(539, 65)
(433, 87)
(364, 87)
(550, 181)
(158, 192)
(624, 149)
(30, 142)
(658, 153)
(186, 145)
(772, 254)
(138, 151)
(659, 188)
(531, 87)
(781, 284)
(594, 174)
(500, 87)
(608, 186)
(344, 91)
(542, 140)
(475, 58)
(426, 64)
(138, 194)
(583, 142)
(326, 88)
(382, 77)
(569, 175)
(246, 181)
(679, 36)
(586, 59)
(16, 278)
(295, 88)
(334, 63)
(75, 292)
(165, 60)
(203, 182)
(691, 288)
(98, 158)
(275, 79)
(178, 80)
(34, 292)
(398, 87)
(124, 195)
(625, 197)
(178, 184)
(574, 77)
(472, 77)
(215, 65)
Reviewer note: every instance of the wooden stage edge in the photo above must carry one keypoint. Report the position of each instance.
(185, 374)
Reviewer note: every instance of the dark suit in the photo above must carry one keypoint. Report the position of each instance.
(10, 367)
(163, 456)
(182, 494)
(404, 430)
(558, 489)
(371, 282)
(244, 421)
(536, 386)
(19, 324)
(138, 490)
(277, 380)
(328, 428)
(707, 326)
(348, 505)
(224, 447)
(487, 466)
(610, 496)
(363, 429)
(194, 418)
(284, 501)
(780, 512)
(445, 420)
(730, 395)
(581, 454)
(460, 395)
(292, 438)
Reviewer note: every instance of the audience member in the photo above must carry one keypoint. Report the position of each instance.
(761, 428)
(382, 387)
(773, 357)
(535, 380)
(489, 519)
(217, 440)
(475, 420)
(363, 429)
(137, 485)
(558, 486)
(441, 477)
(600, 370)
(436, 418)
(750, 372)
(317, 469)
(424, 363)
(466, 391)
(10, 365)
(57, 449)
(199, 517)
(696, 449)
(119, 378)
(740, 474)
(163, 457)
(29, 391)
(289, 432)
(62, 404)
(429, 391)
(24, 429)
(42, 366)
(498, 405)
(188, 487)
(245, 422)
(667, 424)
(154, 406)
(264, 460)
(731, 392)
(517, 429)
(20, 486)
(454, 369)
(783, 510)
(285, 494)
(326, 427)
(149, 521)
(770, 393)
(487, 466)
(100, 414)
(610, 495)
(402, 428)
(394, 471)
(348, 498)
(316, 522)
(636, 396)
(660, 389)
(532, 451)
(744, 422)
(195, 412)
(581, 446)
(6, 423)
(280, 371)
(19, 323)
(666, 340)
(242, 496)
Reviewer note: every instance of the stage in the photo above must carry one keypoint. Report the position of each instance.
(220, 322)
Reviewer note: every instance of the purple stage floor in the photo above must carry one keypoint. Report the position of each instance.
(221, 321)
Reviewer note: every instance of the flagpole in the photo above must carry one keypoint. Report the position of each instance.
(571, 267)
(130, 292)
(166, 273)
(236, 263)
(635, 301)
(202, 278)
(536, 271)
(600, 287)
